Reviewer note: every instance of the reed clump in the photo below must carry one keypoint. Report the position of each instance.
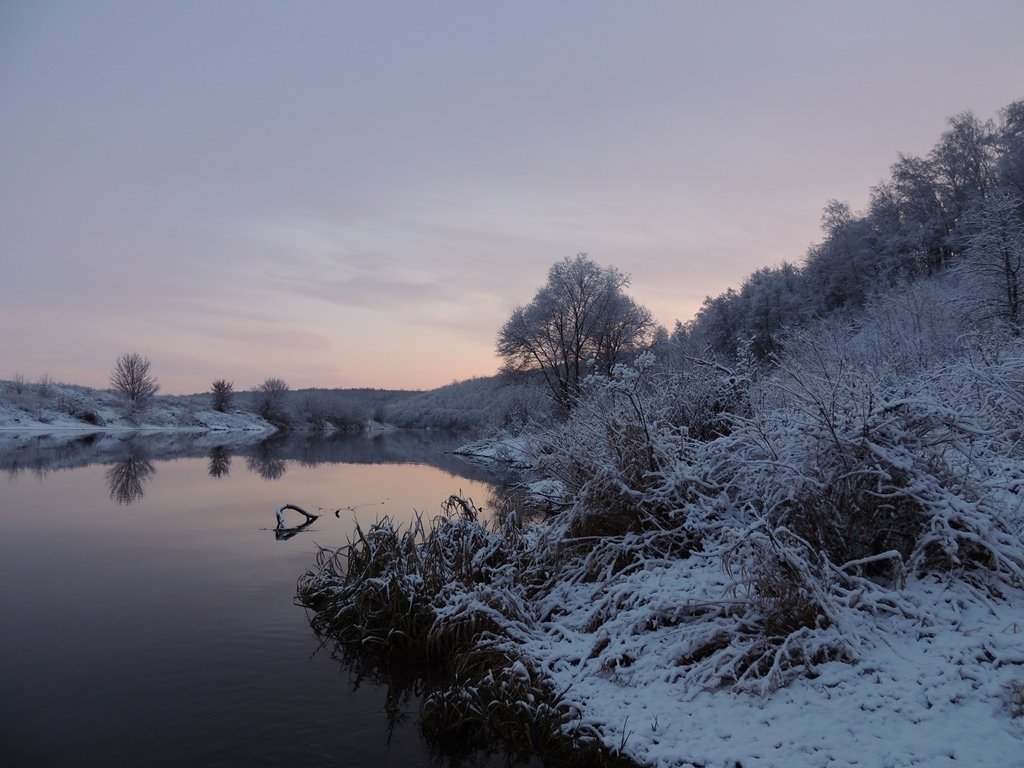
(496, 695)
(451, 592)
(389, 589)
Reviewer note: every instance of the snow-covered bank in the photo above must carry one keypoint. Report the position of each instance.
(768, 582)
(54, 407)
(601, 651)
(513, 451)
(930, 688)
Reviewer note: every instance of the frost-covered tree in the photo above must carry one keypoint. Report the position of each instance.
(994, 263)
(132, 379)
(221, 393)
(582, 313)
(270, 397)
(964, 162)
(925, 227)
(840, 269)
(1010, 146)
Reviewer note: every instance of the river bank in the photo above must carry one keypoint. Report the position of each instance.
(49, 407)
(651, 646)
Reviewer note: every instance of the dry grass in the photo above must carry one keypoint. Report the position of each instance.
(449, 592)
(495, 697)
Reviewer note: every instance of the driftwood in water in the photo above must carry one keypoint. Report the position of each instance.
(280, 515)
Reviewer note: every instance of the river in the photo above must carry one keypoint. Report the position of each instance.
(148, 604)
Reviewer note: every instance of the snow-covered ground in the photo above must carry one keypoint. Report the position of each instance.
(67, 407)
(935, 675)
(507, 449)
(940, 687)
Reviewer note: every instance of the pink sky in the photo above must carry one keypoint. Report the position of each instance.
(358, 194)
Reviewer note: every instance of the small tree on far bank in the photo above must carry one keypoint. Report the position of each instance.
(132, 379)
(221, 393)
(270, 401)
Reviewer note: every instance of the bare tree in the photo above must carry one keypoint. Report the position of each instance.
(222, 392)
(581, 313)
(131, 378)
(270, 397)
(44, 385)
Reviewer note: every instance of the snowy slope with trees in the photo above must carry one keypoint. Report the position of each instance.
(791, 534)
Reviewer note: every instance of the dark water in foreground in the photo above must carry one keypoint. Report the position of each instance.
(147, 610)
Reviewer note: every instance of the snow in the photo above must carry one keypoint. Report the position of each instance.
(923, 692)
(68, 407)
(909, 650)
(516, 451)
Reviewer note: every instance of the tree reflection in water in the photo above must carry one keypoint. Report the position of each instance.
(266, 460)
(126, 479)
(220, 461)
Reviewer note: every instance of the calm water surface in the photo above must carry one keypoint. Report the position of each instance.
(148, 613)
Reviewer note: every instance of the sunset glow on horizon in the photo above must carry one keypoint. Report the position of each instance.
(357, 195)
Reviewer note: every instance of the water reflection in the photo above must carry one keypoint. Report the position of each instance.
(127, 478)
(283, 534)
(267, 459)
(222, 654)
(405, 686)
(266, 456)
(220, 462)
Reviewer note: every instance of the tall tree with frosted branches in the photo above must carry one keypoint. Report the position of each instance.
(993, 266)
(132, 379)
(582, 313)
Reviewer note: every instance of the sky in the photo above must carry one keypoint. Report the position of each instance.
(349, 194)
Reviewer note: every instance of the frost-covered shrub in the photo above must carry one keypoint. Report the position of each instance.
(788, 596)
(44, 386)
(907, 330)
(829, 488)
(842, 483)
(608, 451)
(76, 406)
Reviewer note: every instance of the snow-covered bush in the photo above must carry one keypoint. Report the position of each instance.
(622, 452)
